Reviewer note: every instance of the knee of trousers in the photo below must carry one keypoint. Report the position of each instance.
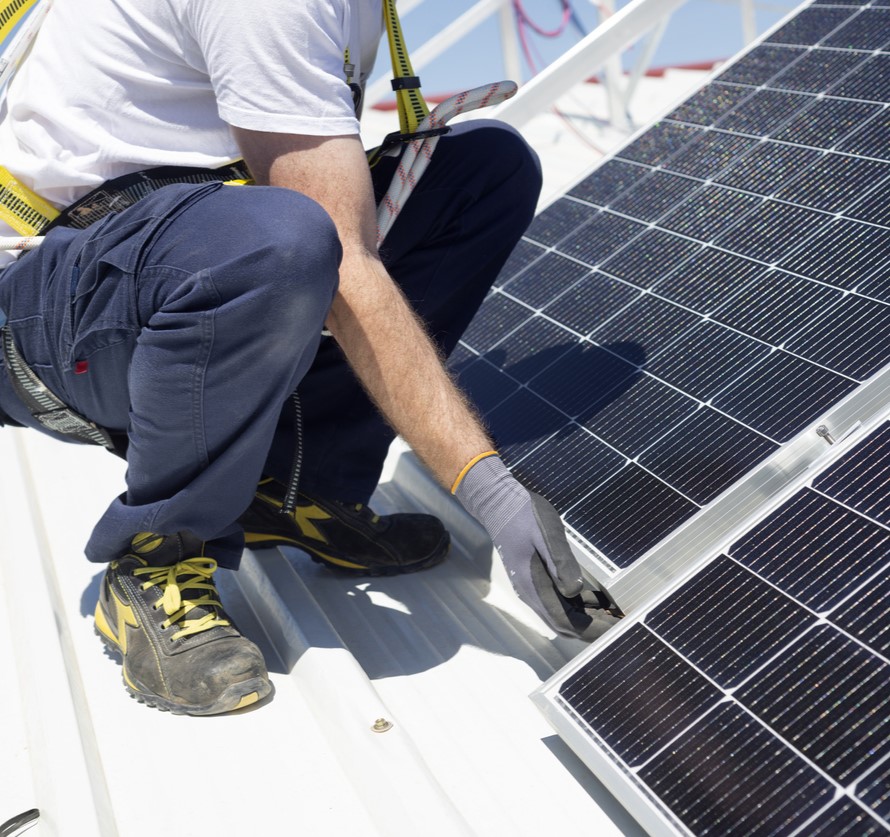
(503, 150)
(282, 249)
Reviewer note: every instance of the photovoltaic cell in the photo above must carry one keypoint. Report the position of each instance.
(861, 478)
(768, 167)
(771, 230)
(588, 380)
(560, 219)
(853, 337)
(595, 298)
(869, 30)
(638, 722)
(875, 791)
(845, 819)
(709, 104)
(816, 70)
(651, 254)
(709, 153)
(753, 698)
(866, 616)
(484, 383)
(826, 122)
(775, 305)
(659, 143)
(709, 211)
(610, 180)
(874, 207)
(867, 82)
(873, 138)
(638, 413)
(724, 776)
(761, 64)
(704, 281)
(810, 26)
(650, 197)
(496, 318)
(843, 253)
(764, 112)
(521, 423)
(546, 280)
(834, 182)
(531, 348)
(574, 461)
(602, 516)
(645, 328)
(772, 400)
(703, 635)
(706, 454)
(706, 359)
(717, 285)
(841, 722)
(598, 239)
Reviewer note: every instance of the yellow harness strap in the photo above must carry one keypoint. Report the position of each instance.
(412, 107)
(26, 212)
(11, 12)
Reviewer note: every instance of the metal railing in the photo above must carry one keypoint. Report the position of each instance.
(639, 23)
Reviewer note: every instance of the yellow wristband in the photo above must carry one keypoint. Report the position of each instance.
(469, 465)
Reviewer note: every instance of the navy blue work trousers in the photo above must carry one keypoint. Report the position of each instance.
(188, 319)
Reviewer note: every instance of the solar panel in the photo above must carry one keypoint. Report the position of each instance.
(752, 698)
(684, 318)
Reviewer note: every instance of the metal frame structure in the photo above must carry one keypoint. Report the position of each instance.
(639, 22)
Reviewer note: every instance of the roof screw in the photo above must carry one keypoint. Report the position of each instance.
(382, 725)
(823, 431)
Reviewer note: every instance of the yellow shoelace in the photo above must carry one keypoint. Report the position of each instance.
(176, 603)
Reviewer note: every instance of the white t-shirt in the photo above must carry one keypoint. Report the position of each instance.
(115, 86)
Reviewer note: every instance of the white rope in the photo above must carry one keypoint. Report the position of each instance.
(416, 156)
(13, 242)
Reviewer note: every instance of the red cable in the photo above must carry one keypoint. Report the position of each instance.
(523, 18)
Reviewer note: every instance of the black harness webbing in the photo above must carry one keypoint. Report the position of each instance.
(121, 192)
(43, 404)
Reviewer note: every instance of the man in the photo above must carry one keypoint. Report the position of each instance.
(186, 321)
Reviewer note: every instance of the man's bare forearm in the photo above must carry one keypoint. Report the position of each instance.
(403, 373)
(382, 338)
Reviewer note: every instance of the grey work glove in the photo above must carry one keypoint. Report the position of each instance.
(529, 535)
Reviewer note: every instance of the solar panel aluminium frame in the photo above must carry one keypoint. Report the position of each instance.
(651, 813)
(633, 585)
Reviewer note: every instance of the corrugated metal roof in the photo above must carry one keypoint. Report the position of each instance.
(447, 656)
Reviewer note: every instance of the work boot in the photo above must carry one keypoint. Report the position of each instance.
(160, 610)
(345, 536)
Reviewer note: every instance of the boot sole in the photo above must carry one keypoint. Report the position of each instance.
(341, 565)
(236, 696)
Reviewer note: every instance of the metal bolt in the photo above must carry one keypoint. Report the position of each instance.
(823, 431)
(382, 725)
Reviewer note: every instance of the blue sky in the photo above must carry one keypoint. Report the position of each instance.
(701, 30)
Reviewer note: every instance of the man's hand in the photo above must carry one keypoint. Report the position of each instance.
(530, 537)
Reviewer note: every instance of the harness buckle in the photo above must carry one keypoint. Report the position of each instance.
(390, 141)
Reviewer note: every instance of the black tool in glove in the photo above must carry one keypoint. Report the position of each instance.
(530, 537)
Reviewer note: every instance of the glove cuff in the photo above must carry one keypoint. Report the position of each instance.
(490, 493)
